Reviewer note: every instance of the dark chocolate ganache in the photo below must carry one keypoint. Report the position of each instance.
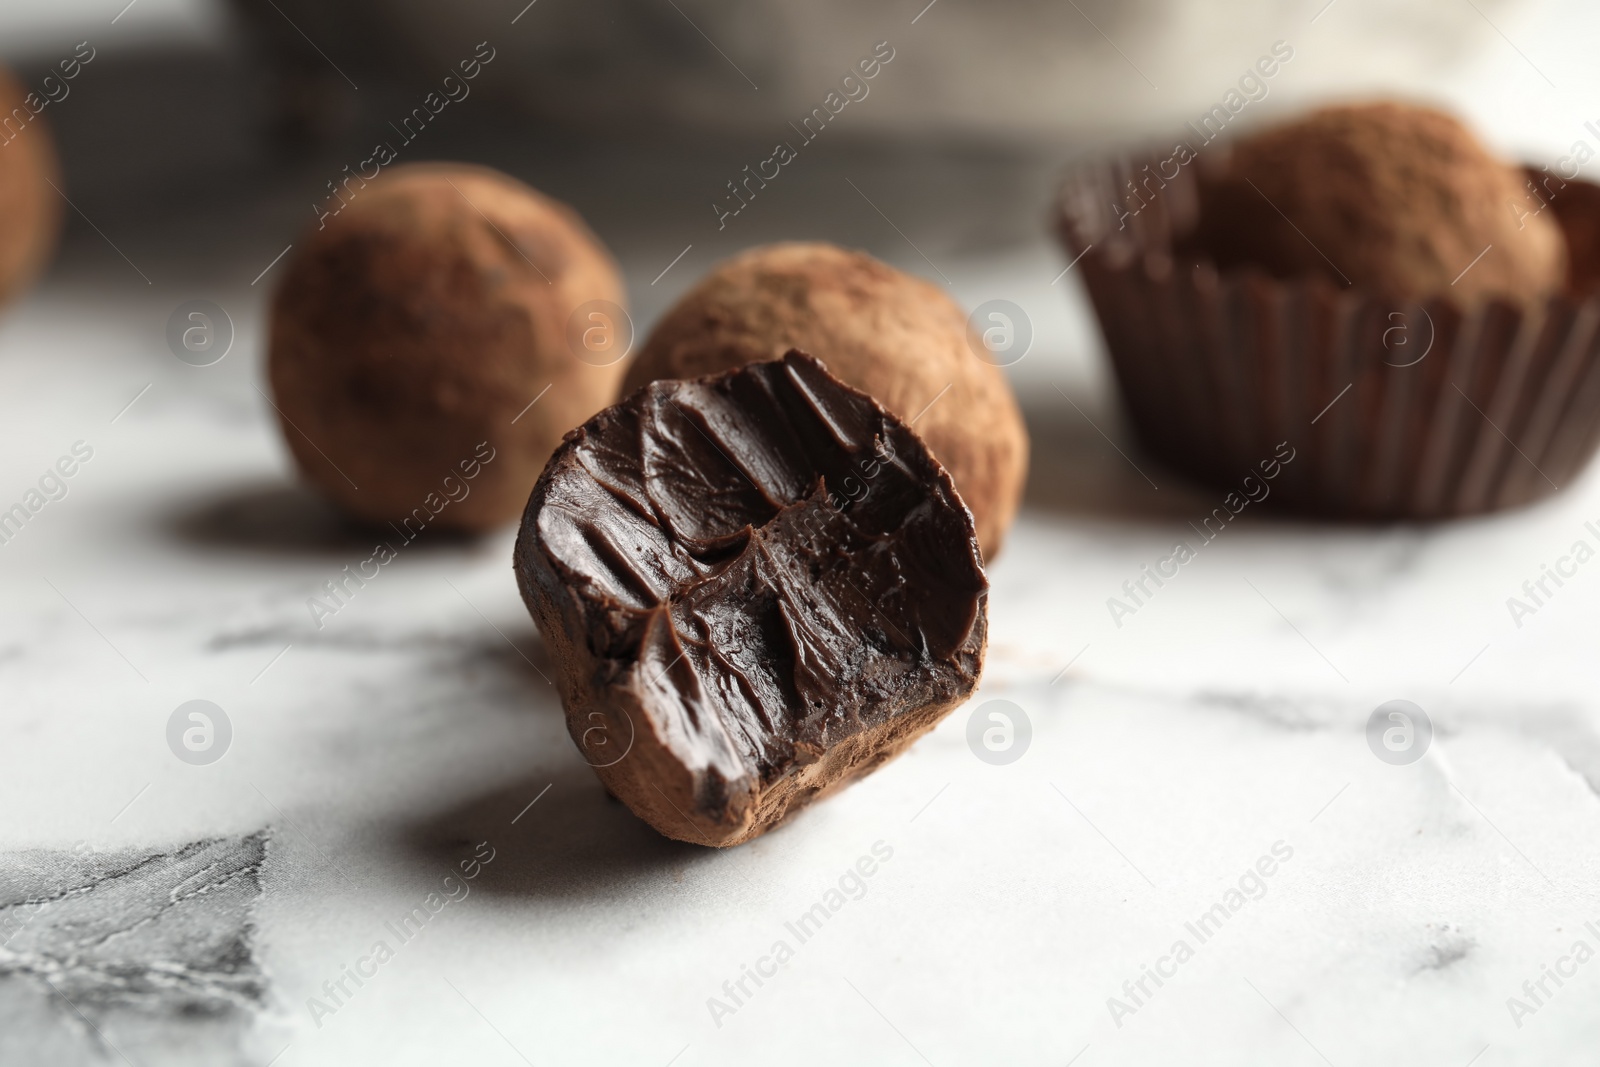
(757, 586)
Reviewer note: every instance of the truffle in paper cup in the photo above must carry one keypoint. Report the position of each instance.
(1392, 409)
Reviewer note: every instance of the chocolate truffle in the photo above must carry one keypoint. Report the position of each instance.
(891, 335)
(1393, 197)
(758, 586)
(30, 211)
(443, 315)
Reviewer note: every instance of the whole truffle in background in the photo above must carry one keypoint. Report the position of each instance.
(1394, 197)
(757, 587)
(448, 319)
(30, 211)
(885, 332)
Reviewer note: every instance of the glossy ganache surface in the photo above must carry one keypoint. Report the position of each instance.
(757, 586)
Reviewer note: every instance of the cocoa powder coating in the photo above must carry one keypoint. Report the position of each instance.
(419, 323)
(885, 332)
(1394, 197)
(30, 211)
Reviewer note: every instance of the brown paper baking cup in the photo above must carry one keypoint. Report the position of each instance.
(1413, 411)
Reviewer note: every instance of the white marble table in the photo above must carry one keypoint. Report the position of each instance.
(376, 753)
(209, 913)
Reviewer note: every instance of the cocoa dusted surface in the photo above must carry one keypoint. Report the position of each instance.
(896, 337)
(413, 331)
(1389, 196)
(758, 586)
(30, 211)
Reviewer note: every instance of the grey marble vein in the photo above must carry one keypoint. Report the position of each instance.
(132, 955)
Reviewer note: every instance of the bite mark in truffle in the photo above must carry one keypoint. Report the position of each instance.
(758, 586)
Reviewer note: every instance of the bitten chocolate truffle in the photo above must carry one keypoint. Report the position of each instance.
(443, 315)
(889, 334)
(1398, 198)
(30, 211)
(758, 587)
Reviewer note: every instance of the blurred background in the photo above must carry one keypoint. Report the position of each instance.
(204, 131)
(205, 135)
